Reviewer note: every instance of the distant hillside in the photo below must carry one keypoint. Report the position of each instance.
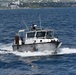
(41, 0)
(49, 4)
(5, 4)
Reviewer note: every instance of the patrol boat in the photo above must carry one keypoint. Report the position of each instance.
(36, 39)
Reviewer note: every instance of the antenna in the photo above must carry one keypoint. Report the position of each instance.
(25, 25)
(40, 21)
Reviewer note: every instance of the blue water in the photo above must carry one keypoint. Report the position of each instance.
(63, 20)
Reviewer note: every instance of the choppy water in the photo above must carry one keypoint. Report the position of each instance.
(63, 20)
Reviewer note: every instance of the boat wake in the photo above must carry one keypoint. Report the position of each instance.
(7, 48)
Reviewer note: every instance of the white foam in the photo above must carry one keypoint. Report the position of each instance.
(67, 50)
(7, 48)
(27, 54)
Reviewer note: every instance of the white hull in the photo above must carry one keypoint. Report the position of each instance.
(37, 47)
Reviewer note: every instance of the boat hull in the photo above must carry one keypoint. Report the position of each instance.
(37, 47)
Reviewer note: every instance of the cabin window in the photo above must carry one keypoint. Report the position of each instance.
(30, 35)
(49, 34)
(40, 34)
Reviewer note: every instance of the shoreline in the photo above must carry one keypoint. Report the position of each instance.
(36, 8)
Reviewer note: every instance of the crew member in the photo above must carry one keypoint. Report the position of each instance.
(17, 39)
(33, 26)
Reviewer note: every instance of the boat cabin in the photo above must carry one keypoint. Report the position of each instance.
(33, 36)
(48, 34)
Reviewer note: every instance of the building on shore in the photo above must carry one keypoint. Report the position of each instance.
(14, 6)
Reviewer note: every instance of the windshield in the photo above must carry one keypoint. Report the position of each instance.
(30, 35)
(40, 34)
(50, 34)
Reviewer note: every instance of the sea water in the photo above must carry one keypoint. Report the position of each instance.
(62, 20)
